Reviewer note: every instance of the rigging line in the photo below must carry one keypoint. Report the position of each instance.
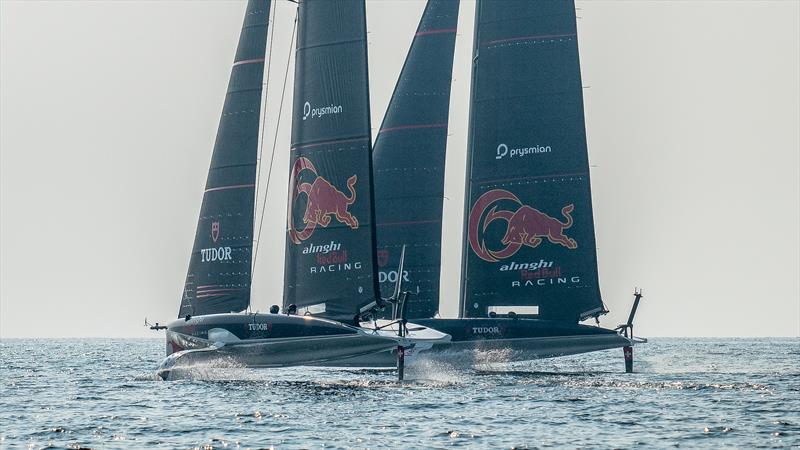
(265, 86)
(274, 145)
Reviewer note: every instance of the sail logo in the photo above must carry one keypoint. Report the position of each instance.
(316, 113)
(322, 248)
(503, 151)
(526, 226)
(336, 267)
(214, 231)
(383, 257)
(533, 266)
(215, 254)
(323, 201)
(391, 276)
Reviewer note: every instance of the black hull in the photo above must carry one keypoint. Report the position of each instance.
(278, 340)
(492, 329)
(232, 327)
(264, 340)
(500, 340)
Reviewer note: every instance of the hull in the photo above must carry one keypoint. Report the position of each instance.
(285, 352)
(279, 340)
(265, 340)
(499, 340)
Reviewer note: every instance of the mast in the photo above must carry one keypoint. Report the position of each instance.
(219, 277)
(330, 248)
(409, 158)
(529, 244)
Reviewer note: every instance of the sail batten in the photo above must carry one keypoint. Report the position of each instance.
(219, 277)
(409, 158)
(330, 255)
(528, 227)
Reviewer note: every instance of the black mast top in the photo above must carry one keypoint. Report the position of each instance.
(218, 280)
(528, 231)
(330, 248)
(409, 157)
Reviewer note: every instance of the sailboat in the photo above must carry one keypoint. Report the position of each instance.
(331, 273)
(529, 269)
(529, 261)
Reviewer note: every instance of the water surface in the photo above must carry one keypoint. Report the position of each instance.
(690, 393)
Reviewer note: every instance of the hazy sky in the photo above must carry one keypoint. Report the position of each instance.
(110, 108)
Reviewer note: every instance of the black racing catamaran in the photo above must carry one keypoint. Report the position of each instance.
(330, 258)
(529, 262)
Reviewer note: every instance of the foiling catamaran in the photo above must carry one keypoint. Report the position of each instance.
(329, 151)
(529, 263)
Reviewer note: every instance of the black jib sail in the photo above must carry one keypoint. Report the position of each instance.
(529, 234)
(330, 253)
(409, 162)
(218, 280)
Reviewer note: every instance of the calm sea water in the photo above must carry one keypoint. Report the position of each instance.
(693, 393)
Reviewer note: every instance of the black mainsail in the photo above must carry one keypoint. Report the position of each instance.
(330, 248)
(529, 233)
(219, 278)
(408, 160)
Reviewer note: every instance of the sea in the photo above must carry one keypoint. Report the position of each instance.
(685, 393)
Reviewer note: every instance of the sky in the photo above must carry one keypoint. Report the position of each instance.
(109, 109)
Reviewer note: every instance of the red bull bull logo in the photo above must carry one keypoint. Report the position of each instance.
(323, 201)
(527, 226)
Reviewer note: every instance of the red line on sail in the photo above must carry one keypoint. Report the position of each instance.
(413, 127)
(248, 61)
(531, 178)
(211, 291)
(529, 38)
(329, 142)
(408, 222)
(235, 186)
(436, 31)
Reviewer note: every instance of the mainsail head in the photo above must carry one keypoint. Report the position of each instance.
(408, 160)
(219, 277)
(330, 248)
(529, 233)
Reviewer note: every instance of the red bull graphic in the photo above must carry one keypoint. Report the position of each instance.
(323, 200)
(526, 226)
